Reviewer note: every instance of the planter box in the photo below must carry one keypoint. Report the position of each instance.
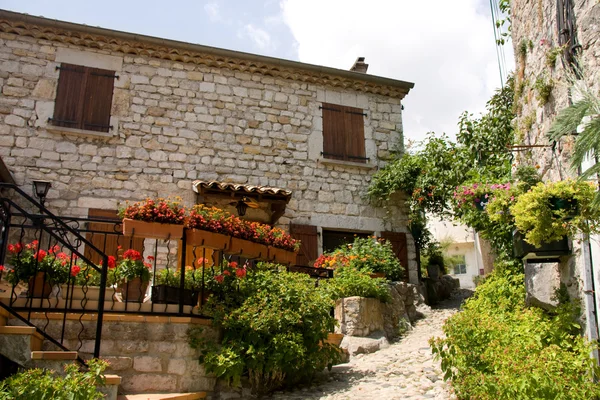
(378, 275)
(247, 249)
(152, 230)
(281, 256)
(522, 249)
(90, 293)
(163, 294)
(210, 240)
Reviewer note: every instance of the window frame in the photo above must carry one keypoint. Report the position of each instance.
(343, 133)
(84, 98)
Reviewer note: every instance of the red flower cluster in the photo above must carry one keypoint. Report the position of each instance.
(133, 255)
(213, 219)
(164, 211)
(15, 248)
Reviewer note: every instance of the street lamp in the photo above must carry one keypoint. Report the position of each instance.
(40, 188)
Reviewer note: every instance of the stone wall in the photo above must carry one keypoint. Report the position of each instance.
(174, 122)
(150, 353)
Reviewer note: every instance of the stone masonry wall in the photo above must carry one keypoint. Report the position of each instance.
(150, 353)
(175, 122)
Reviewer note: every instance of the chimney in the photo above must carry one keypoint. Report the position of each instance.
(360, 66)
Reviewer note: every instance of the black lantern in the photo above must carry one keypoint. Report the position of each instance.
(40, 189)
(241, 207)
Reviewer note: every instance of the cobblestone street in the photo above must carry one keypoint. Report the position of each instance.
(405, 370)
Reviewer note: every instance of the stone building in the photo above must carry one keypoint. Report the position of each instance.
(109, 116)
(549, 38)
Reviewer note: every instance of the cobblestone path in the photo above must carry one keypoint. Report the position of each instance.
(405, 370)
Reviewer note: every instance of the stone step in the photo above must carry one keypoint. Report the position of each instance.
(164, 396)
(54, 355)
(36, 338)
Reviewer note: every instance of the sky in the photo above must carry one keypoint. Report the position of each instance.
(446, 48)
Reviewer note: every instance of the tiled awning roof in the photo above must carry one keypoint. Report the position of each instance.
(206, 187)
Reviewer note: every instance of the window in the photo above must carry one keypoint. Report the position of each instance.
(334, 239)
(460, 266)
(343, 133)
(84, 98)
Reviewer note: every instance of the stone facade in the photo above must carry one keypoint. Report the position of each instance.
(179, 115)
(150, 354)
(535, 38)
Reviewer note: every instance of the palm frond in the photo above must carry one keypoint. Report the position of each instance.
(569, 119)
(588, 142)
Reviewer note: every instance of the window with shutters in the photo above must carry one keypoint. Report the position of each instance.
(343, 133)
(84, 98)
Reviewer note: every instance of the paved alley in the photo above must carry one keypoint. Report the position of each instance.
(405, 370)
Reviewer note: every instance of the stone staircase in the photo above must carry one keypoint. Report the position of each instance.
(23, 345)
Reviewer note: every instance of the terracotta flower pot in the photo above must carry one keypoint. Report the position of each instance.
(151, 230)
(210, 240)
(247, 249)
(39, 287)
(134, 290)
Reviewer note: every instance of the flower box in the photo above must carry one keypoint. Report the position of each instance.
(281, 256)
(89, 293)
(210, 240)
(522, 249)
(377, 275)
(247, 249)
(163, 294)
(151, 230)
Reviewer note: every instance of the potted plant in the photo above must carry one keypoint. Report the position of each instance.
(85, 282)
(550, 211)
(155, 219)
(250, 241)
(167, 288)
(133, 275)
(40, 269)
(221, 282)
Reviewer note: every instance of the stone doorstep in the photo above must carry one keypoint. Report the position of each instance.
(36, 338)
(165, 396)
(54, 355)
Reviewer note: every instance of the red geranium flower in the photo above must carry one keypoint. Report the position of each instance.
(40, 255)
(75, 270)
(219, 278)
(240, 272)
(133, 255)
(233, 264)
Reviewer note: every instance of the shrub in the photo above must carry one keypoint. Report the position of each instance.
(349, 281)
(365, 254)
(497, 348)
(273, 334)
(44, 384)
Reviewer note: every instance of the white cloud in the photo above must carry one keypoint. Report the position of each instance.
(445, 47)
(259, 36)
(213, 11)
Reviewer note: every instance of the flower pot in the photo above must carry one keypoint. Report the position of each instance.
(204, 297)
(163, 294)
(247, 249)
(377, 275)
(134, 290)
(334, 339)
(281, 256)
(151, 230)
(522, 249)
(210, 240)
(39, 287)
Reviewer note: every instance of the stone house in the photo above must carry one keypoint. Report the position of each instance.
(549, 39)
(109, 116)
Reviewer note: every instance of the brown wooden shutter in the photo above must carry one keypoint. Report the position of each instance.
(334, 144)
(398, 241)
(109, 242)
(309, 248)
(98, 99)
(355, 134)
(68, 107)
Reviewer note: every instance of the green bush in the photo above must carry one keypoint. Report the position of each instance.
(273, 334)
(497, 348)
(39, 384)
(349, 281)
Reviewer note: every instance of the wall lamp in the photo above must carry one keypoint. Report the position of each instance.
(40, 189)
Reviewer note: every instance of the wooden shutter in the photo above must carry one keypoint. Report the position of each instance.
(355, 134)
(334, 145)
(68, 107)
(398, 242)
(98, 99)
(108, 242)
(309, 248)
